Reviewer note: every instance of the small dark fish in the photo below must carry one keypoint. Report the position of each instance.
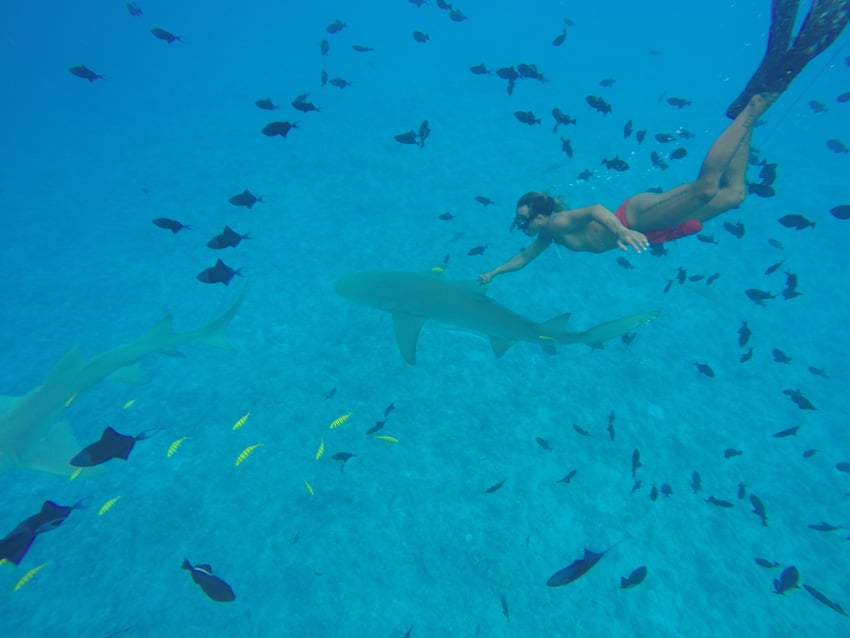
(505, 611)
(696, 482)
(607, 82)
(496, 487)
(742, 491)
(530, 72)
(744, 334)
(330, 393)
(133, 10)
(656, 160)
(801, 402)
(625, 263)
(696, 277)
(610, 427)
(757, 296)
(213, 586)
(162, 34)
(617, 164)
(718, 502)
(561, 118)
(737, 229)
(824, 527)
(324, 78)
(15, 545)
(653, 493)
(843, 466)
(809, 453)
(704, 368)
(627, 129)
(568, 476)
(228, 238)
(681, 275)
(767, 564)
(640, 135)
(664, 138)
(780, 357)
(477, 250)
(574, 570)
(712, 278)
(678, 102)
(360, 48)
(567, 147)
(246, 199)
(796, 221)
(324, 47)
(559, 39)
(417, 3)
(527, 117)
(580, 430)
(221, 273)
(86, 73)
(340, 83)
(336, 26)
(679, 153)
(598, 104)
(768, 172)
(409, 137)
(817, 107)
(666, 490)
(279, 128)
(791, 279)
(841, 212)
(420, 36)
(668, 286)
(456, 15)
(826, 601)
(389, 409)
(655, 52)
(480, 69)
(300, 103)
(266, 104)
(111, 445)
(773, 267)
(844, 97)
(636, 486)
(424, 132)
(170, 224)
(731, 452)
(818, 372)
(760, 190)
(775, 243)
(636, 464)
(585, 175)
(788, 580)
(343, 457)
(635, 578)
(484, 201)
(446, 216)
(758, 509)
(378, 425)
(837, 146)
(543, 443)
(792, 431)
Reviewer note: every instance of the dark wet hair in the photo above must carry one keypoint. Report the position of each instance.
(540, 203)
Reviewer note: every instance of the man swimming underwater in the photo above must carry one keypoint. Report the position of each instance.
(648, 218)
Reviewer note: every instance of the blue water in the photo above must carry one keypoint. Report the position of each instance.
(407, 535)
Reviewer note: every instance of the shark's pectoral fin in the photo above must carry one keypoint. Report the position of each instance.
(53, 452)
(131, 374)
(406, 328)
(500, 345)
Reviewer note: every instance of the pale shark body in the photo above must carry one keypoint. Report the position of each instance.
(31, 434)
(414, 298)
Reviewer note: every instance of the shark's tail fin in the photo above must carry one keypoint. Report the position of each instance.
(213, 333)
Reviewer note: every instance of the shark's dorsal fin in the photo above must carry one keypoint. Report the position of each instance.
(68, 361)
(556, 325)
(406, 328)
(161, 329)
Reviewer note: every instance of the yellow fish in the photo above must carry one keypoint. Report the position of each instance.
(387, 438)
(3, 561)
(339, 421)
(75, 474)
(308, 486)
(129, 404)
(70, 399)
(28, 576)
(241, 421)
(107, 506)
(321, 449)
(175, 446)
(438, 270)
(244, 454)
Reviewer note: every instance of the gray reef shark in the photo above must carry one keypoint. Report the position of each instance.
(414, 298)
(32, 434)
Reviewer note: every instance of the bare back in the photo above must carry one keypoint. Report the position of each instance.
(571, 229)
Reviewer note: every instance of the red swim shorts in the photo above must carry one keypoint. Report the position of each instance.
(687, 227)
